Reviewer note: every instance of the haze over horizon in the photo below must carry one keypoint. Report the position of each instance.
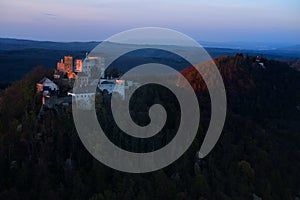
(213, 21)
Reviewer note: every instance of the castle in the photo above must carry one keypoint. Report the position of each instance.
(86, 73)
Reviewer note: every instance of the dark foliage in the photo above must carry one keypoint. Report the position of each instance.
(42, 157)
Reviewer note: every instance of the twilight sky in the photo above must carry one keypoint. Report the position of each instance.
(274, 21)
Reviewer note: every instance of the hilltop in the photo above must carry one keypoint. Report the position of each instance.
(251, 81)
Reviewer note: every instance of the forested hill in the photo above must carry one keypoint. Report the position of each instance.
(255, 85)
(42, 157)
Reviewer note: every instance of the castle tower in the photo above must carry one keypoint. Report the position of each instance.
(78, 65)
(94, 66)
(68, 60)
(60, 66)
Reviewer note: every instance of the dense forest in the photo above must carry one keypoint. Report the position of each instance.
(257, 156)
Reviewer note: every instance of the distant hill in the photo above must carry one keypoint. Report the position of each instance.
(18, 57)
(244, 45)
(8, 44)
(15, 63)
(291, 48)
